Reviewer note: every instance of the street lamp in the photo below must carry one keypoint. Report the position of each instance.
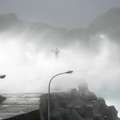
(67, 72)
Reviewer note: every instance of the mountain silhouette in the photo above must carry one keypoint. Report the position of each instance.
(107, 23)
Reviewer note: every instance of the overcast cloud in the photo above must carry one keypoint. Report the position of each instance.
(68, 13)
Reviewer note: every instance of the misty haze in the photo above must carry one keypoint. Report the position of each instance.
(39, 39)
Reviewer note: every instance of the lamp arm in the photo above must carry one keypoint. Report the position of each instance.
(49, 92)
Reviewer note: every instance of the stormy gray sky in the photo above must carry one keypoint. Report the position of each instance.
(68, 13)
(27, 46)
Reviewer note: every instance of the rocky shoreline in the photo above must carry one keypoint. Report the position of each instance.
(77, 104)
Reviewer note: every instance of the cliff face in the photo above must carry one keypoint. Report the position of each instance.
(78, 104)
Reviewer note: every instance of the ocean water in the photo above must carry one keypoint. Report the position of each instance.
(16, 104)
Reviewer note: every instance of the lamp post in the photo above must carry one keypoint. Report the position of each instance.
(67, 72)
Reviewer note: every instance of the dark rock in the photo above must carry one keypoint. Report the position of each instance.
(78, 104)
(2, 98)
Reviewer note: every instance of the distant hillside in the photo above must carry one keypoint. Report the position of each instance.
(8, 21)
(108, 22)
(11, 23)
